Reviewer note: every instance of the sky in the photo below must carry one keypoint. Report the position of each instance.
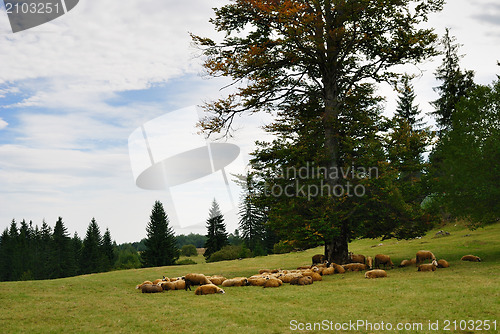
(90, 101)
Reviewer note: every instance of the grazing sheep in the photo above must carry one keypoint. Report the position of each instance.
(428, 266)
(471, 258)
(304, 280)
(355, 266)
(217, 280)
(237, 281)
(442, 264)
(369, 262)
(405, 263)
(424, 255)
(318, 258)
(375, 273)
(272, 283)
(208, 289)
(150, 288)
(357, 258)
(195, 279)
(383, 259)
(139, 286)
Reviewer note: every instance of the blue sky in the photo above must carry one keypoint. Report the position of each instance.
(73, 90)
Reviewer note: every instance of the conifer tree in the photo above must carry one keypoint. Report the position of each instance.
(62, 262)
(108, 251)
(92, 256)
(216, 231)
(161, 246)
(252, 218)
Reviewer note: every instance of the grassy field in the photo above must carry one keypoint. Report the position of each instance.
(109, 303)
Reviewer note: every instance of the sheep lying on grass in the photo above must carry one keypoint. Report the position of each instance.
(139, 286)
(375, 273)
(428, 266)
(272, 283)
(442, 263)
(383, 259)
(338, 268)
(304, 280)
(217, 280)
(151, 288)
(407, 263)
(355, 266)
(237, 281)
(208, 289)
(195, 279)
(471, 258)
(424, 255)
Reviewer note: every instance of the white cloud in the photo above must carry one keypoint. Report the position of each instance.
(3, 124)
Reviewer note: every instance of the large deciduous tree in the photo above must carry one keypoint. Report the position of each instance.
(287, 53)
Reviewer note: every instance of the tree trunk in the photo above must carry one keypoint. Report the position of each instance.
(336, 250)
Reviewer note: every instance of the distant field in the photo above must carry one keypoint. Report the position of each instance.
(109, 303)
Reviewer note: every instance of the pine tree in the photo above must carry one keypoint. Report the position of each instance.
(252, 218)
(216, 231)
(5, 256)
(92, 257)
(108, 250)
(455, 83)
(161, 246)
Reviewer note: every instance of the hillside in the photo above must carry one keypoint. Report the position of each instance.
(108, 302)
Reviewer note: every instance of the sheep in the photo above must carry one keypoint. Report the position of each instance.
(357, 258)
(442, 263)
(369, 262)
(355, 266)
(304, 280)
(142, 284)
(217, 280)
(318, 258)
(405, 263)
(304, 267)
(287, 278)
(208, 289)
(328, 271)
(257, 281)
(237, 281)
(264, 271)
(383, 259)
(151, 288)
(375, 273)
(159, 280)
(272, 283)
(428, 266)
(195, 279)
(471, 258)
(338, 268)
(424, 255)
(167, 286)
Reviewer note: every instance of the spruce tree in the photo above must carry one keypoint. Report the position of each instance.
(161, 246)
(62, 262)
(108, 250)
(216, 231)
(92, 257)
(407, 142)
(251, 217)
(76, 247)
(455, 83)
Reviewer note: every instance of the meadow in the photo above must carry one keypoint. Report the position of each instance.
(109, 302)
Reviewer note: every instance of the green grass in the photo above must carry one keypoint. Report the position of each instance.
(108, 302)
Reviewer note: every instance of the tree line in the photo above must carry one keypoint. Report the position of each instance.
(30, 252)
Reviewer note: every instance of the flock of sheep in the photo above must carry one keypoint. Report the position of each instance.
(301, 276)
